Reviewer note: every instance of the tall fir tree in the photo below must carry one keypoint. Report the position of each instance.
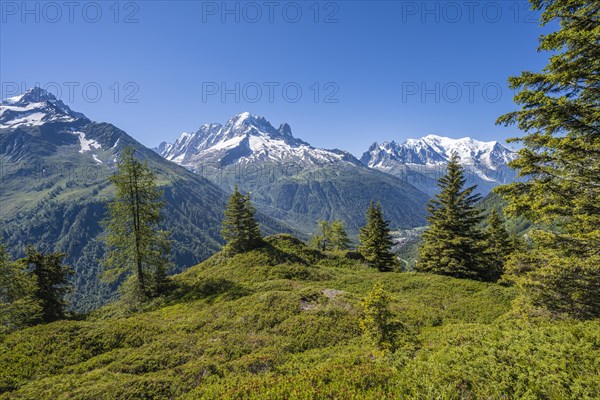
(376, 241)
(240, 227)
(452, 241)
(560, 159)
(497, 247)
(51, 282)
(135, 244)
(19, 306)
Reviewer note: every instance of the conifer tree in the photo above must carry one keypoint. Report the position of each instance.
(339, 236)
(51, 282)
(18, 305)
(376, 241)
(322, 241)
(377, 322)
(135, 244)
(452, 242)
(240, 228)
(560, 159)
(497, 246)
(333, 236)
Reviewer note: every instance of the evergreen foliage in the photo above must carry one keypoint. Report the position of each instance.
(51, 282)
(497, 247)
(240, 227)
(452, 242)
(376, 241)
(135, 245)
(18, 305)
(376, 322)
(560, 157)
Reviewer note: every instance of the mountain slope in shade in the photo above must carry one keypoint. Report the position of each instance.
(55, 186)
(422, 161)
(291, 180)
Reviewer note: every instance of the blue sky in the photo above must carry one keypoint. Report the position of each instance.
(366, 71)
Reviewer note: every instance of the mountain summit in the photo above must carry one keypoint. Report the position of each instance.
(423, 160)
(56, 165)
(291, 180)
(246, 139)
(35, 107)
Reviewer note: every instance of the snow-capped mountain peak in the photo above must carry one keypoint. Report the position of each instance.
(485, 162)
(33, 108)
(244, 139)
(436, 150)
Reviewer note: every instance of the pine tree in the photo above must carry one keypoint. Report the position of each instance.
(18, 305)
(560, 159)
(452, 241)
(240, 228)
(52, 282)
(497, 247)
(135, 244)
(339, 236)
(376, 241)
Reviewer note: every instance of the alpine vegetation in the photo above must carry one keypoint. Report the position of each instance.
(559, 273)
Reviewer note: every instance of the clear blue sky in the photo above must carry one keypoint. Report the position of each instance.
(374, 58)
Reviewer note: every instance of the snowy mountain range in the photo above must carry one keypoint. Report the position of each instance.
(290, 179)
(246, 139)
(250, 139)
(423, 160)
(33, 108)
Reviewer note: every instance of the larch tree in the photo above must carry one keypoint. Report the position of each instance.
(452, 241)
(135, 244)
(332, 236)
(559, 275)
(339, 236)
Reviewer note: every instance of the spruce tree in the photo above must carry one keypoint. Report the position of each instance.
(376, 241)
(240, 228)
(18, 305)
(560, 161)
(51, 282)
(452, 241)
(497, 246)
(135, 244)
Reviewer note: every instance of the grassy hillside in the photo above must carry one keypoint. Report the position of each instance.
(53, 197)
(283, 322)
